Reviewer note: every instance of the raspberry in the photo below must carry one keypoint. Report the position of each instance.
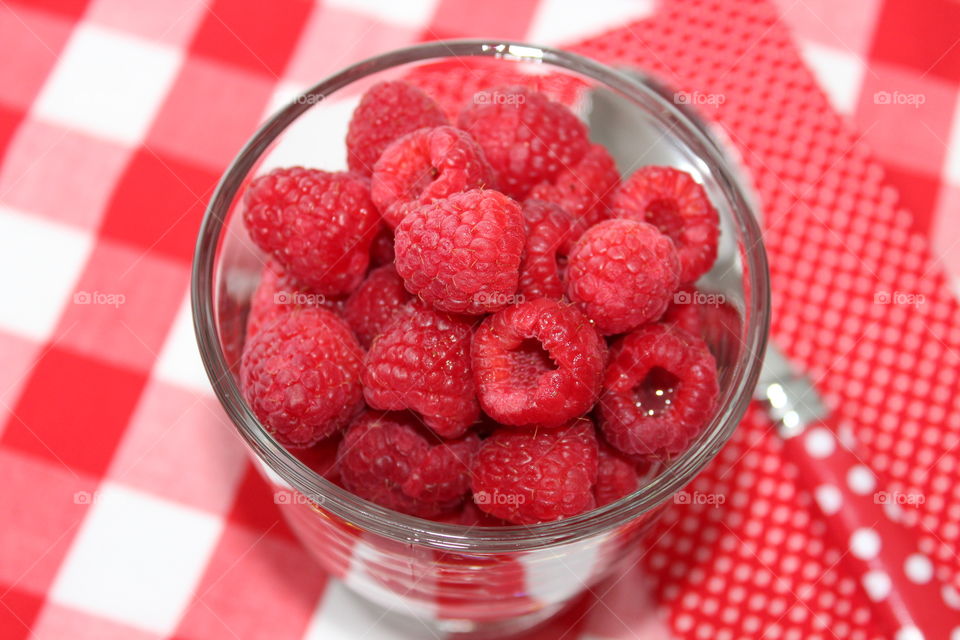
(526, 137)
(387, 111)
(277, 294)
(462, 254)
(659, 391)
(370, 308)
(527, 476)
(622, 274)
(548, 236)
(318, 225)
(421, 362)
(584, 189)
(426, 165)
(443, 472)
(301, 376)
(322, 457)
(538, 363)
(469, 515)
(384, 455)
(675, 203)
(616, 476)
(684, 311)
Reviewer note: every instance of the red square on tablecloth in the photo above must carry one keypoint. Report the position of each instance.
(901, 116)
(259, 36)
(455, 19)
(171, 423)
(47, 502)
(57, 621)
(267, 594)
(920, 35)
(254, 507)
(171, 21)
(68, 8)
(918, 193)
(9, 121)
(123, 306)
(158, 204)
(18, 610)
(210, 112)
(61, 173)
(67, 395)
(19, 355)
(335, 37)
(33, 39)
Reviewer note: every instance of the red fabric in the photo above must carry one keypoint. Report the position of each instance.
(106, 409)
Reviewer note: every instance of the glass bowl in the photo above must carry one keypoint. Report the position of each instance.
(489, 581)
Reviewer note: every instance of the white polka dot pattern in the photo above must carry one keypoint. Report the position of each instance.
(839, 250)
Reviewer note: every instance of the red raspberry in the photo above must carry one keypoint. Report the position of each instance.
(672, 201)
(279, 293)
(622, 273)
(426, 165)
(384, 455)
(529, 476)
(387, 111)
(443, 473)
(538, 363)
(469, 515)
(322, 457)
(659, 391)
(301, 376)
(583, 190)
(684, 311)
(421, 362)
(318, 225)
(526, 137)
(616, 476)
(548, 236)
(462, 254)
(370, 308)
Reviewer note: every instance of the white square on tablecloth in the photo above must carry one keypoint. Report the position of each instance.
(412, 13)
(951, 167)
(137, 559)
(316, 138)
(561, 21)
(344, 615)
(179, 360)
(838, 72)
(108, 84)
(41, 261)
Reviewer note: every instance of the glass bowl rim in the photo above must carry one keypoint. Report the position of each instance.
(451, 537)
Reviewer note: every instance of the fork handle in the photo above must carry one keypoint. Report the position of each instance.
(899, 581)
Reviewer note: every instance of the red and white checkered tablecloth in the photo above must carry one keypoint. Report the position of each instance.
(129, 508)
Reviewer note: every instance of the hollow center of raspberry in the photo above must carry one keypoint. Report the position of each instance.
(530, 360)
(422, 180)
(654, 394)
(664, 214)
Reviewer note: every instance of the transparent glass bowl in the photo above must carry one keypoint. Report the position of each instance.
(479, 581)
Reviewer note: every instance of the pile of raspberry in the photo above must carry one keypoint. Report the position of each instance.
(479, 322)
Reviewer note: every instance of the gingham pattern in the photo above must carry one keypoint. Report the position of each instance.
(129, 508)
